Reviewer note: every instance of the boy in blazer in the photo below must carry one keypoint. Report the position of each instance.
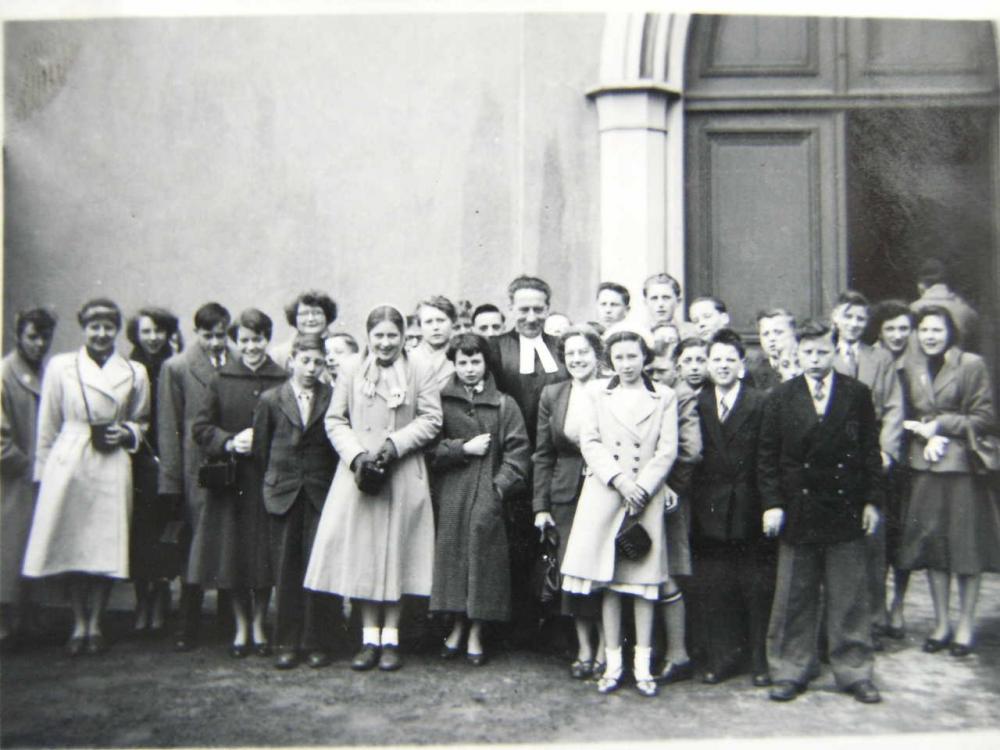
(297, 462)
(876, 369)
(183, 384)
(819, 473)
(733, 561)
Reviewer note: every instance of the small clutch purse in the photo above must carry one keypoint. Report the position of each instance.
(632, 541)
(99, 437)
(218, 475)
(373, 476)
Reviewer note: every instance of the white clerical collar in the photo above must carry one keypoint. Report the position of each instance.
(528, 348)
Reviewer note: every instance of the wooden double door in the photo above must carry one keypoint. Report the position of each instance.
(827, 153)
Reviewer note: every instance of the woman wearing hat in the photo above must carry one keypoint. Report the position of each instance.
(93, 413)
(375, 540)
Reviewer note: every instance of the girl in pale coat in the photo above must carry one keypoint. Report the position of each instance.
(629, 442)
(376, 547)
(93, 412)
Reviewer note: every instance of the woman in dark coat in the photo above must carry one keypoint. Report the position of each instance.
(229, 549)
(152, 563)
(480, 462)
(558, 477)
(952, 525)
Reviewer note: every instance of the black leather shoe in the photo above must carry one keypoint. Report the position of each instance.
(390, 661)
(933, 645)
(864, 691)
(581, 669)
(896, 634)
(76, 645)
(239, 650)
(712, 678)
(674, 672)
(366, 658)
(785, 690)
(318, 659)
(761, 679)
(447, 652)
(262, 649)
(287, 660)
(96, 644)
(476, 660)
(960, 650)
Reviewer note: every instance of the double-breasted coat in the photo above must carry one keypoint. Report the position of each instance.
(821, 472)
(230, 541)
(81, 521)
(471, 556)
(378, 548)
(951, 520)
(19, 414)
(640, 443)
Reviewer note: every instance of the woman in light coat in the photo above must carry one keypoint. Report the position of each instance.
(93, 412)
(629, 442)
(378, 547)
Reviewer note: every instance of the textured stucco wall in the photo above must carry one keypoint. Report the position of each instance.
(243, 159)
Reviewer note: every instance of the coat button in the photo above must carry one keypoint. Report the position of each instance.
(616, 457)
(636, 445)
(805, 491)
(840, 492)
(840, 466)
(805, 466)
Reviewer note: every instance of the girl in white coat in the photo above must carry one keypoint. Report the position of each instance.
(93, 412)
(629, 442)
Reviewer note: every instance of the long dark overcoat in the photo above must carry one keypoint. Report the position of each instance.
(471, 557)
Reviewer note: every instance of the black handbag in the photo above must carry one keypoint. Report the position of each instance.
(218, 475)
(984, 451)
(545, 579)
(632, 541)
(372, 477)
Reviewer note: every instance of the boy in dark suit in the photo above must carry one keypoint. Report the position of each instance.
(297, 462)
(819, 472)
(733, 561)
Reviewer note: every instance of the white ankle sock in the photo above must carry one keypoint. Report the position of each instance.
(640, 667)
(614, 663)
(390, 636)
(370, 636)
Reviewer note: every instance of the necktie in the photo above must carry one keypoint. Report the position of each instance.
(305, 405)
(852, 360)
(723, 410)
(818, 392)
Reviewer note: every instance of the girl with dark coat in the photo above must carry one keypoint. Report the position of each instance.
(230, 546)
(152, 563)
(480, 461)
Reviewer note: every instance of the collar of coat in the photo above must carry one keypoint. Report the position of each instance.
(116, 371)
(234, 368)
(616, 382)
(455, 389)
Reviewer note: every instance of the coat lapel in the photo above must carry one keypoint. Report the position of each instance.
(737, 415)
(634, 424)
(200, 365)
(105, 380)
(321, 402)
(710, 417)
(948, 372)
(290, 405)
(25, 376)
(866, 364)
(560, 404)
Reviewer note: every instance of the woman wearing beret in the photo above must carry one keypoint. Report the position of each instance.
(93, 413)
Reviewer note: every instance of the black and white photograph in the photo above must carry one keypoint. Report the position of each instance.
(426, 373)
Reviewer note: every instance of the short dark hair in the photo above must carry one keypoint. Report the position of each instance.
(412, 320)
(689, 343)
(816, 329)
(100, 308)
(210, 315)
(663, 349)
(887, 310)
(728, 337)
(617, 337)
(42, 319)
(487, 307)
(161, 317)
(352, 343)
(852, 298)
(463, 308)
(438, 302)
(529, 282)
(945, 314)
(776, 312)
(932, 271)
(661, 278)
(307, 342)
(717, 303)
(581, 329)
(618, 289)
(469, 344)
(254, 319)
(313, 298)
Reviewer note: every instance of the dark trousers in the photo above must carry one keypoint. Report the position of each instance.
(878, 567)
(732, 587)
(839, 574)
(303, 619)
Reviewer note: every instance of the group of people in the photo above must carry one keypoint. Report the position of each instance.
(750, 501)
